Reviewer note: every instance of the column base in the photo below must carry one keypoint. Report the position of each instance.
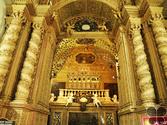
(149, 103)
(131, 116)
(28, 114)
(19, 102)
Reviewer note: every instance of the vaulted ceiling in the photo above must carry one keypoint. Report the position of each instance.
(85, 7)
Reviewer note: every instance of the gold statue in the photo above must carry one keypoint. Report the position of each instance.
(103, 27)
(70, 29)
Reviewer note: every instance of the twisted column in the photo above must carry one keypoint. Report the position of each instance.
(8, 45)
(29, 65)
(2, 17)
(161, 38)
(143, 73)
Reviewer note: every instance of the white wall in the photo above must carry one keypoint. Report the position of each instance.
(2, 17)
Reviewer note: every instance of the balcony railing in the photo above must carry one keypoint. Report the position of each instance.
(82, 85)
(102, 95)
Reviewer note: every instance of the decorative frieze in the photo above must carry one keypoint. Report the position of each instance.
(8, 45)
(143, 72)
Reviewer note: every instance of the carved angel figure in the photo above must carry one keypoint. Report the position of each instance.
(52, 97)
(70, 99)
(70, 29)
(96, 101)
(114, 99)
(103, 27)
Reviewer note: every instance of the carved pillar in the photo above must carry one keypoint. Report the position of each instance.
(2, 17)
(42, 87)
(8, 45)
(161, 38)
(143, 73)
(29, 65)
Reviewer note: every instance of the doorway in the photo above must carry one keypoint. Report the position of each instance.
(83, 118)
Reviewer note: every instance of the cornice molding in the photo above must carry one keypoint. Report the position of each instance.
(17, 8)
(129, 11)
(42, 10)
(20, 1)
(133, 11)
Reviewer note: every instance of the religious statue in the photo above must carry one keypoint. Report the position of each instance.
(52, 97)
(103, 27)
(114, 99)
(96, 101)
(70, 99)
(70, 29)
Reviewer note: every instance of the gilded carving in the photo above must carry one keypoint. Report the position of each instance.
(161, 38)
(63, 51)
(11, 114)
(30, 63)
(143, 72)
(8, 45)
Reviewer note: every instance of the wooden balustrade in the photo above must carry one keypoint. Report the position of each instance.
(84, 85)
(103, 94)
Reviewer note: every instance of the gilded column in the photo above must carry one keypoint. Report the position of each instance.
(143, 73)
(29, 65)
(8, 45)
(161, 37)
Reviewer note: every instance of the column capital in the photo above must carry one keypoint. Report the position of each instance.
(129, 11)
(18, 13)
(38, 23)
(153, 14)
(156, 13)
(134, 24)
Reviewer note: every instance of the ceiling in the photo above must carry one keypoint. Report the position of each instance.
(84, 8)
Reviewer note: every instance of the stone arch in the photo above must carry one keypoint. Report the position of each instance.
(65, 9)
(62, 3)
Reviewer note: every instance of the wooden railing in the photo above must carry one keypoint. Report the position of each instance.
(102, 95)
(82, 85)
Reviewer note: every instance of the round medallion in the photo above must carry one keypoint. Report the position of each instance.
(85, 27)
